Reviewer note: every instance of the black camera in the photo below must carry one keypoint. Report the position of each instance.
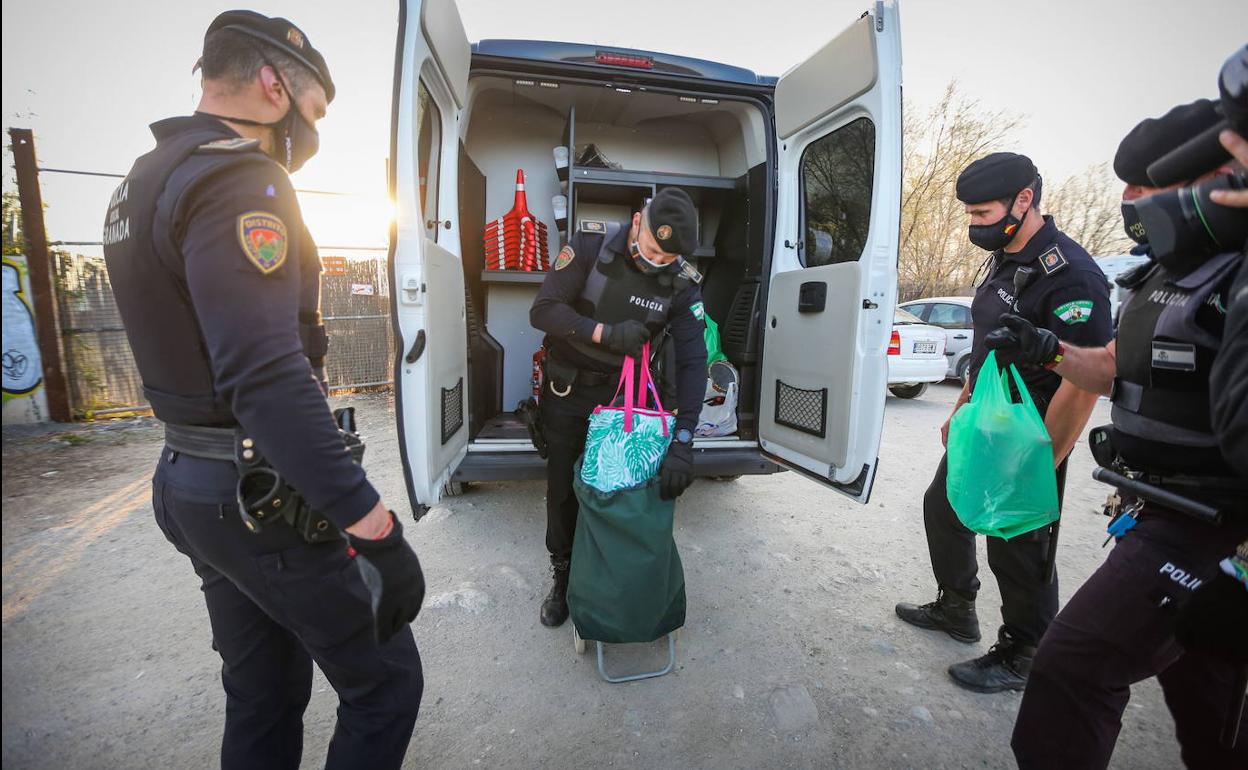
(1184, 227)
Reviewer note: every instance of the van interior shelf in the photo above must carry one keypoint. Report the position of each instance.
(616, 176)
(513, 276)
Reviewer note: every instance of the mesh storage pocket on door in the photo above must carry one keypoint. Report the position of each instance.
(804, 410)
(452, 410)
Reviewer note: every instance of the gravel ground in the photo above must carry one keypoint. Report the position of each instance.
(792, 656)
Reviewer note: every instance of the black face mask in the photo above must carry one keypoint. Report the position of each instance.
(998, 234)
(1131, 223)
(295, 140)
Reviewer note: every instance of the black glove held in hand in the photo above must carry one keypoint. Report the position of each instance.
(626, 337)
(392, 573)
(1018, 341)
(676, 474)
(1215, 620)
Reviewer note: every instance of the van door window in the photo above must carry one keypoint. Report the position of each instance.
(837, 175)
(428, 155)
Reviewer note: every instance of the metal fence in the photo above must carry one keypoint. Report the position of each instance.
(102, 376)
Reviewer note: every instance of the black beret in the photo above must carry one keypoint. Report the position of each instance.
(1154, 137)
(282, 35)
(673, 221)
(995, 176)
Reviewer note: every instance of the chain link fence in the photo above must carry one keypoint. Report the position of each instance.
(102, 376)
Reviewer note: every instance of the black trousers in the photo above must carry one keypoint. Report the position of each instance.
(276, 605)
(565, 421)
(1028, 601)
(1116, 631)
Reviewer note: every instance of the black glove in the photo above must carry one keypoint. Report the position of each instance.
(1018, 341)
(676, 473)
(392, 573)
(1215, 620)
(626, 337)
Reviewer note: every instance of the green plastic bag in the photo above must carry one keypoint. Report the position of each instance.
(711, 335)
(627, 584)
(1001, 477)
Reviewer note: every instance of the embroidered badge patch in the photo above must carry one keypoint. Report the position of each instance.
(1052, 260)
(1077, 312)
(664, 232)
(263, 238)
(698, 311)
(566, 255)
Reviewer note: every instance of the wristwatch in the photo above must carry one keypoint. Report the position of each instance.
(1058, 355)
(684, 436)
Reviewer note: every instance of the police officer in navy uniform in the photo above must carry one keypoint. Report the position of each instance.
(606, 295)
(1169, 601)
(1068, 294)
(217, 283)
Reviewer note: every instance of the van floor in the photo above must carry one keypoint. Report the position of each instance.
(503, 426)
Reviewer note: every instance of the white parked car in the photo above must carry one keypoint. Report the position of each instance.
(916, 355)
(953, 315)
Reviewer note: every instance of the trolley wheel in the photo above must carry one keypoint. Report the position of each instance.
(578, 642)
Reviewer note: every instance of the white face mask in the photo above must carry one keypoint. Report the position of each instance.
(642, 262)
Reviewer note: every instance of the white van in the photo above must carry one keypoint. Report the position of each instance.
(797, 180)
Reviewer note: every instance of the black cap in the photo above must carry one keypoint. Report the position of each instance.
(996, 176)
(673, 221)
(1154, 137)
(281, 34)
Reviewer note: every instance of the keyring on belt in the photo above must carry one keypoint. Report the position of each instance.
(566, 390)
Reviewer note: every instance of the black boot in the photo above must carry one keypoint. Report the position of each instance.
(1005, 667)
(949, 613)
(555, 607)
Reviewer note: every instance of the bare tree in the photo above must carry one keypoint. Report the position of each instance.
(1086, 207)
(935, 256)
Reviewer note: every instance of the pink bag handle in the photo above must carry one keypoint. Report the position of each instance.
(633, 402)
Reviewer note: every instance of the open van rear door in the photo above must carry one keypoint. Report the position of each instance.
(833, 280)
(427, 277)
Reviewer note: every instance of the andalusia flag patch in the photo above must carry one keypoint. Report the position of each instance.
(1076, 312)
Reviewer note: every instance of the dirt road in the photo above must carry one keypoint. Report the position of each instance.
(792, 656)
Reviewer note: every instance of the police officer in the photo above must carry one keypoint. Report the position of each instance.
(217, 282)
(1069, 295)
(1119, 627)
(606, 295)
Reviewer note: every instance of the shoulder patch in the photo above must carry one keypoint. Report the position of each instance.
(235, 144)
(1076, 312)
(566, 255)
(1052, 260)
(264, 239)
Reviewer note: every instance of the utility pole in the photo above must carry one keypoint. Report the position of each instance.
(39, 265)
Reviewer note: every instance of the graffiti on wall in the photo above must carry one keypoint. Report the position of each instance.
(23, 368)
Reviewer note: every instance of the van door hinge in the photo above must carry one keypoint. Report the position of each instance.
(794, 245)
(879, 15)
(869, 305)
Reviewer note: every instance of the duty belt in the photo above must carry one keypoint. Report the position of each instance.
(263, 495)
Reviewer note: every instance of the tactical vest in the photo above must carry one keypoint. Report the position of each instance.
(1160, 398)
(615, 291)
(148, 275)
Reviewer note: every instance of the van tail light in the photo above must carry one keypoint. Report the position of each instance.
(624, 60)
(894, 344)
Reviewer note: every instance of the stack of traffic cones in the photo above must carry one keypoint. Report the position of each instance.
(517, 239)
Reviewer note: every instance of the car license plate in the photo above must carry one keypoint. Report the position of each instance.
(925, 347)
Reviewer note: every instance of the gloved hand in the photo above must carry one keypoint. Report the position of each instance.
(1018, 341)
(392, 573)
(1215, 620)
(626, 337)
(676, 473)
